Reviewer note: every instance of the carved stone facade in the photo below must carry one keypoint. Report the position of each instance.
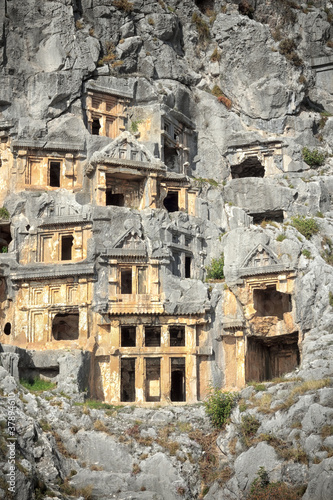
(105, 242)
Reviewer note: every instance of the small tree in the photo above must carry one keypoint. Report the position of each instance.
(218, 405)
(216, 269)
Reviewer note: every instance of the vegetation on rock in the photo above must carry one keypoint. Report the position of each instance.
(216, 269)
(313, 158)
(305, 225)
(218, 405)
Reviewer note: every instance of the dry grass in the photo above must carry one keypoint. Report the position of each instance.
(61, 446)
(100, 426)
(303, 388)
(264, 403)
(283, 449)
(232, 445)
(136, 469)
(326, 431)
(209, 466)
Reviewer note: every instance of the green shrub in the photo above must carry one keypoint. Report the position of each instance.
(313, 158)
(281, 237)
(215, 270)
(4, 214)
(4, 249)
(306, 226)
(219, 405)
(306, 253)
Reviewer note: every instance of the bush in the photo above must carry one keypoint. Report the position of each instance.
(215, 270)
(306, 226)
(262, 489)
(287, 48)
(313, 158)
(4, 214)
(219, 405)
(249, 426)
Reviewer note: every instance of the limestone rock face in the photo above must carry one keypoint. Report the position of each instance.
(166, 224)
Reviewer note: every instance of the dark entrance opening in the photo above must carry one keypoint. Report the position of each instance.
(126, 281)
(152, 336)
(153, 379)
(128, 336)
(270, 302)
(5, 238)
(66, 247)
(127, 380)
(178, 379)
(270, 215)
(269, 357)
(177, 336)
(114, 199)
(171, 201)
(55, 173)
(251, 167)
(188, 261)
(65, 326)
(8, 328)
(95, 126)
(205, 5)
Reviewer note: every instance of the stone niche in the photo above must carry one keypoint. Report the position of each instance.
(147, 359)
(260, 336)
(255, 160)
(48, 167)
(54, 242)
(106, 113)
(52, 313)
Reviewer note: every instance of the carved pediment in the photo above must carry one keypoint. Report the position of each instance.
(126, 148)
(260, 256)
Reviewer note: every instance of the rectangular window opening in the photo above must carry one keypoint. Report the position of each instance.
(128, 336)
(66, 247)
(95, 126)
(126, 281)
(54, 173)
(152, 336)
(114, 199)
(171, 202)
(153, 379)
(271, 302)
(177, 336)
(188, 261)
(178, 391)
(127, 380)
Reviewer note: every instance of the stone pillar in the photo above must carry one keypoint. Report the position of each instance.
(165, 379)
(113, 388)
(191, 378)
(139, 379)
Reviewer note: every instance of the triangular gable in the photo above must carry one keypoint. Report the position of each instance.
(260, 256)
(125, 147)
(132, 239)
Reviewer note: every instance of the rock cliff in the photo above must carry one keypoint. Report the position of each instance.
(142, 144)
